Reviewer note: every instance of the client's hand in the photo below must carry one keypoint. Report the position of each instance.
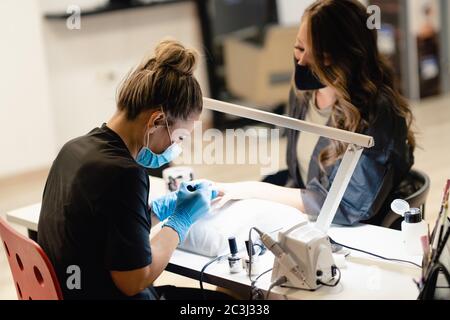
(235, 191)
(257, 190)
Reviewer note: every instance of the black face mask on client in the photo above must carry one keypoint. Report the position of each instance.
(305, 78)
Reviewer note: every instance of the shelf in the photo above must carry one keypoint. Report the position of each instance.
(112, 8)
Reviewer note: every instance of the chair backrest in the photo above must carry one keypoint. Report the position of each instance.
(419, 198)
(420, 184)
(32, 271)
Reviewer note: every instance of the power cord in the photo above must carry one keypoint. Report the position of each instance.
(202, 272)
(283, 280)
(255, 292)
(334, 269)
(375, 255)
(276, 283)
(218, 258)
(250, 257)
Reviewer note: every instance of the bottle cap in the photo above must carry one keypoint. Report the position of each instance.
(250, 249)
(400, 206)
(414, 215)
(233, 245)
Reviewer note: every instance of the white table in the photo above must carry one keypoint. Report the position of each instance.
(364, 277)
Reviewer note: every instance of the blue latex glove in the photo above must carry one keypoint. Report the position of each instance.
(193, 202)
(196, 183)
(164, 206)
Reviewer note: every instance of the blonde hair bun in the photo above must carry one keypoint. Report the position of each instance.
(163, 80)
(172, 54)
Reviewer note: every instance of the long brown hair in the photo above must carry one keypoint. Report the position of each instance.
(163, 80)
(337, 31)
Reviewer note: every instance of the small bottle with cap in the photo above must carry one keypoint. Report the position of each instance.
(413, 227)
(234, 261)
(254, 267)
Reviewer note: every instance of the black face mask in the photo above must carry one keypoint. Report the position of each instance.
(305, 78)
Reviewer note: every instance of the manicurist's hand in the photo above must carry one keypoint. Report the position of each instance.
(193, 202)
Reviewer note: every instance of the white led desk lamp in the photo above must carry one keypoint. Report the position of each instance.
(303, 252)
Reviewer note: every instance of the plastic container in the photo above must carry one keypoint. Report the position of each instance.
(413, 229)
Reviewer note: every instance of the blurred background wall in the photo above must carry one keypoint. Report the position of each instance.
(27, 127)
(59, 83)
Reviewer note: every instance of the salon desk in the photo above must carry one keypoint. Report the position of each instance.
(364, 277)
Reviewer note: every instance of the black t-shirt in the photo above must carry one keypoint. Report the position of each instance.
(95, 216)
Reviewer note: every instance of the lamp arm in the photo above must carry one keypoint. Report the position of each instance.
(338, 187)
(356, 144)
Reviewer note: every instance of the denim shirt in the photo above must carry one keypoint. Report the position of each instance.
(379, 170)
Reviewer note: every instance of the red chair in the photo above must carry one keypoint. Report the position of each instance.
(33, 273)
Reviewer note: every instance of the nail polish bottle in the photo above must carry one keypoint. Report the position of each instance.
(234, 261)
(254, 270)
